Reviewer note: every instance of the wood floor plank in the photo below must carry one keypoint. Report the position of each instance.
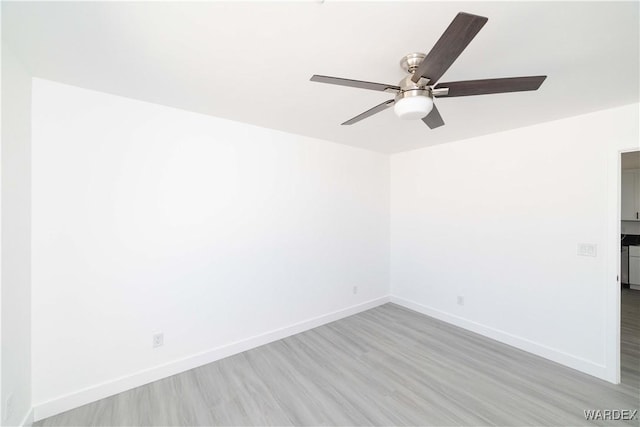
(385, 366)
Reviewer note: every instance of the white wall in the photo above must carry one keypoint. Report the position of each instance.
(16, 240)
(497, 219)
(150, 219)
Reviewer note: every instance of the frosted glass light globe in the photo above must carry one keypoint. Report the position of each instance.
(413, 107)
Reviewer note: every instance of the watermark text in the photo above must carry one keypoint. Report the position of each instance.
(610, 414)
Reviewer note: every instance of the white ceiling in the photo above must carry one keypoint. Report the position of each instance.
(251, 62)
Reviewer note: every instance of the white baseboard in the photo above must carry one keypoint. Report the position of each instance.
(100, 391)
(575, 362)
(27, 421)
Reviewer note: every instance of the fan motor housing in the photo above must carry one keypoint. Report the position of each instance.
(408, 88)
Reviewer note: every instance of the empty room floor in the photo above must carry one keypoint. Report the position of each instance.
(385, 366)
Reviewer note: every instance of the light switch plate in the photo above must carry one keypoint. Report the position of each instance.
(587, 249)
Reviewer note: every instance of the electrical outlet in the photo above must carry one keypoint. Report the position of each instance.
(158, 340)
(460, 300)
(355, 290)
(8, 407)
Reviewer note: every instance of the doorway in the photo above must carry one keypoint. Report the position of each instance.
(629, 267)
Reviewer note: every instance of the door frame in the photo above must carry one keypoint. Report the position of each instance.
(613, 294)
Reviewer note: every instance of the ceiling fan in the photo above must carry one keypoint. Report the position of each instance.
(415, 93)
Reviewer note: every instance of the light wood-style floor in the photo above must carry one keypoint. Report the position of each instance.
(385, 366)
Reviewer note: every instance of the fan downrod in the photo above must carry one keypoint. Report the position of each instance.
(410, 62)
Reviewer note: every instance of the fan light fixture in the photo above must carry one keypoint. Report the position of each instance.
(413, 107)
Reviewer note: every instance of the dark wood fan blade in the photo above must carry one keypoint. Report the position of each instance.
(487, 86)
(433, 119)
(449, 46)
(354, 83)
(370, 112)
